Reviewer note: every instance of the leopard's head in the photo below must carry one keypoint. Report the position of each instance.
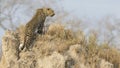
(48, 12)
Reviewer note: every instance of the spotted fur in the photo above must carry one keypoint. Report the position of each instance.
(36, 23)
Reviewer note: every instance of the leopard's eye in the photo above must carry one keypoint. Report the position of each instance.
(48, 9)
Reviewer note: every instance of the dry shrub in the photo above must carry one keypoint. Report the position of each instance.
(91, 51)
(81, 37)
(60, 39)
(58, 31)
(92, 46)
(110, 54)
(104, 51)
(65, 37)
(94, 52)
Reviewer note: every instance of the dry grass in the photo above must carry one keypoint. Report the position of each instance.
(59, 39)
(109, 53)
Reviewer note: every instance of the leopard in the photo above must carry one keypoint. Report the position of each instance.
(34, 26)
